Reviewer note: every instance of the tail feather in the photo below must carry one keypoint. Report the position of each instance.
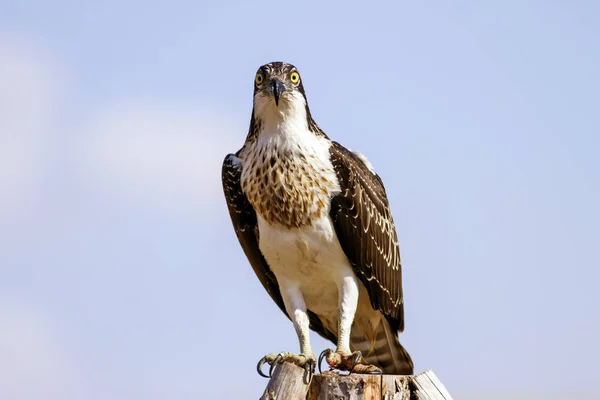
(383, 349)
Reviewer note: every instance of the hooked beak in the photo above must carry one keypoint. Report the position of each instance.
(278, 87)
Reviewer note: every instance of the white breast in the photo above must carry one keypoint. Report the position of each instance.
(310, 258)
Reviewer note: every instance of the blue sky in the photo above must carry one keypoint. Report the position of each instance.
(120, 275)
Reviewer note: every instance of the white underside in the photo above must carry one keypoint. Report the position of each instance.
(313, 270)
(309, 258)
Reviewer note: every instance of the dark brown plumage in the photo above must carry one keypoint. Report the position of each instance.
(365, 228)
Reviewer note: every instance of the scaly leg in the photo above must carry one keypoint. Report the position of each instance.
(296, 309)
(343, 358)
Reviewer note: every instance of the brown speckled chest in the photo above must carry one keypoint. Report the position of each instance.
(289, 185)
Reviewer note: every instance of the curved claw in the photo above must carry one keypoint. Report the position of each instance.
(321, 357)
(355, 361)
(275, 362)
(309, 368)
(261, 362)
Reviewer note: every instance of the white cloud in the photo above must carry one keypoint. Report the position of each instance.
(33, 363)
(28, 88)
(165, 152)
(168, 151)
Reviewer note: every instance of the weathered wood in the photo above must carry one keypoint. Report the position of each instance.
(395, 387)
(331, 386)
(287, 383)
(427, 386)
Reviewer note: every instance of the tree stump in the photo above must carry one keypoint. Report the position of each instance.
(331, 386)
(395, 387)
(428, 387)
(289, 382)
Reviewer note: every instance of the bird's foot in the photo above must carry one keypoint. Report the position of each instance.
(306, 361)
(351, 362)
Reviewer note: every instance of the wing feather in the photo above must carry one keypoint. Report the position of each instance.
(365, 228)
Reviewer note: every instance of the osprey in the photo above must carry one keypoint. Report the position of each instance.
(314, 222)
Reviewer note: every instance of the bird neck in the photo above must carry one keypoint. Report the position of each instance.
(290, 122)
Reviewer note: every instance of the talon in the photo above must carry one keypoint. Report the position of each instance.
(309, 367)
(351, 362)
(355, 360)
(321, 357)
(261, 362)
(275, 362)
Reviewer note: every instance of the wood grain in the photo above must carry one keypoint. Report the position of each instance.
(289, 382)
(427, 386)
(331, 386)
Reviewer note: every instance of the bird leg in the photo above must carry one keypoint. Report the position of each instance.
(296, 309)
(343, 358)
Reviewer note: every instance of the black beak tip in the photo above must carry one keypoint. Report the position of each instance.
(278, 88)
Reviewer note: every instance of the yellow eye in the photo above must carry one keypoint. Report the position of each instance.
(294, 77)
(259, 78)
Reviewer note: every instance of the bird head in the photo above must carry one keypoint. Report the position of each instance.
(278, 87)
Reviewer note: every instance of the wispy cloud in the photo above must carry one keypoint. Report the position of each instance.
(28, 92)
(170, 152)
(33, 361)
(166, 151)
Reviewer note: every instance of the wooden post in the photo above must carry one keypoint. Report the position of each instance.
(331, 386)
(395, 387)
(289, 383)
(428, 387)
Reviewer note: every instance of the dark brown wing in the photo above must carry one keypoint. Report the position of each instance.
(365, 228)
(243, 218)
